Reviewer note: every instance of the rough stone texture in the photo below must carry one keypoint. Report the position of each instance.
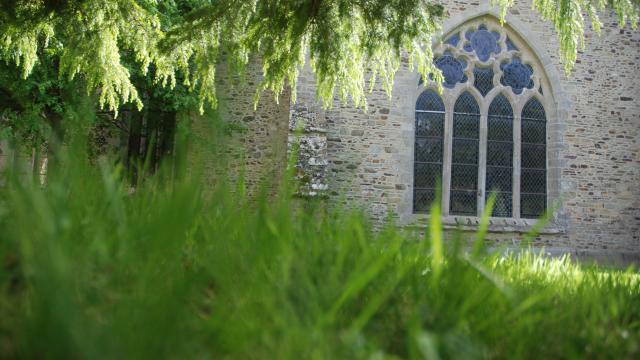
(308, 135)
(259, 152)
(593, 141)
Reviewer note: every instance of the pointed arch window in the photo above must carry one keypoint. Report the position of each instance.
(464, 162)
(499, 173)
(533, 195)
(428, 148)
(487, 132)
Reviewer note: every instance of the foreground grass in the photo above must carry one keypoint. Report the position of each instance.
(89, 270)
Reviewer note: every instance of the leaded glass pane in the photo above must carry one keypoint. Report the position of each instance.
(500, 128)
(499, 179)
(422, 199)
(464, 168)
(464, 177)
(533, 131)
(427, 175)
(466, 104)
(533, 181)
(429, 124)
(503, 206)
(501, 107)
(532, 205)
(483, 79)
(534, 156)
(466, 126)
(533, 109)
(430, 100)
(463, 203)
(465, 151)
(499, 153)
(428, 150)
(499, 174)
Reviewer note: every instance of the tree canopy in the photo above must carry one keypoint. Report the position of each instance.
(342, 40)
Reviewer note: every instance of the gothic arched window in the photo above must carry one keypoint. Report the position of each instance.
(428, 148)
(500, 155)
(487, 132)
(533, 194)
(464, 162)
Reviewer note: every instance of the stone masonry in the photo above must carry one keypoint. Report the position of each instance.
(593, 136)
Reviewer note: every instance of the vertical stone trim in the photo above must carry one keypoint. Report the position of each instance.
(308, 136)
(482, 160)
(517, 146)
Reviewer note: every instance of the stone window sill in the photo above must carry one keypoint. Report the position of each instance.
(496, 225)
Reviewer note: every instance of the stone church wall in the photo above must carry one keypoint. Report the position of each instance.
(256, 149)
(595, 158)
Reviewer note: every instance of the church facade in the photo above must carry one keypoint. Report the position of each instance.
(508, 122)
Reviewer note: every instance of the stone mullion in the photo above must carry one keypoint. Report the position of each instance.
(517, 146)
(482, 162)
(446, 161)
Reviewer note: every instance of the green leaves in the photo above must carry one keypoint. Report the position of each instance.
(347, 43)
(568, 20)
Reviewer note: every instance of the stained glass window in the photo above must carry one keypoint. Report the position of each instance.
(452, 70)
(476, 130)
(428, 146)
(464, 162)
(517, 75)
(533, 183)
(500, 155)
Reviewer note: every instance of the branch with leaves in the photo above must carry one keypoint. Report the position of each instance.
(343, 40)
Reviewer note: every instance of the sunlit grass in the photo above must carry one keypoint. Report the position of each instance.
(90, 269)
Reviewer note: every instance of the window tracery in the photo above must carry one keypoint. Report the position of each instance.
(490, 120)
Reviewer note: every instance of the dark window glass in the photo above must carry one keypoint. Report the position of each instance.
(464, 167)
(499, 175)
(428, 149)
(429, 124)
(430, 101)
(422, 199)
(499, 153)
(533, 180)
(533, 156)
(465, 151)
(503, 204)
(499, 179)
(463, 203)
(483, 79)
(427, 175)
(532, 205)
(533, 131)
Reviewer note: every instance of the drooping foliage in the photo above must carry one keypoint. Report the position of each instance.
(342, 40)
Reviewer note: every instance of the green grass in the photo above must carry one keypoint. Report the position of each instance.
(89, 269)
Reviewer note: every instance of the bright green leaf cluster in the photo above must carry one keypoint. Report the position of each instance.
(347, 43)
(568, 18)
